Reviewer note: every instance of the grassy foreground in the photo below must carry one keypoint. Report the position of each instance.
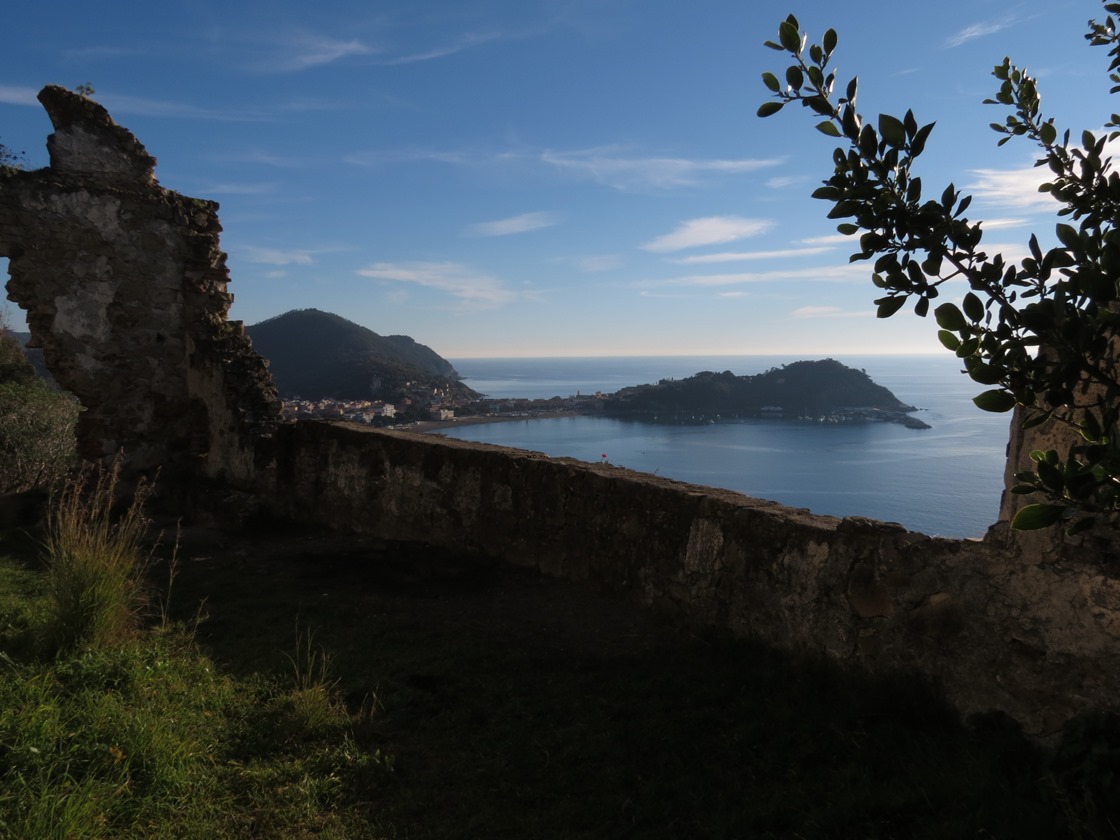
(465, 700)
(114, 723)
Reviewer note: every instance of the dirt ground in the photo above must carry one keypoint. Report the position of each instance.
(405, 587)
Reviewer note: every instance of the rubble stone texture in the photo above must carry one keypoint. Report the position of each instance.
(124, 284)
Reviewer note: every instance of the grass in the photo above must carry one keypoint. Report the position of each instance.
(149, 739)
(112, 729)
(432, 696)
(96, 560)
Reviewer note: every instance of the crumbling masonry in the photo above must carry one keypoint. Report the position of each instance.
(124, 284)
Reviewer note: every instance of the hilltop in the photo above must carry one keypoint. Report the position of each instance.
(319, 354)
(807, 389)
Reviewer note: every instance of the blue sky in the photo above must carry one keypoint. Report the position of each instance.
(550, 177)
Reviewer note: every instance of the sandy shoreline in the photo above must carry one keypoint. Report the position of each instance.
(438, 426)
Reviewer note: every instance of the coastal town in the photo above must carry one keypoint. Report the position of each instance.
(431, 412)
(430, 407)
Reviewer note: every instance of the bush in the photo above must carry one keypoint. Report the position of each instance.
(36, 424)
(36, 436)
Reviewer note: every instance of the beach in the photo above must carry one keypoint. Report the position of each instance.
(438, 426)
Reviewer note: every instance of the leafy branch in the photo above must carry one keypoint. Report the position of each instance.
(10, 159)
(1042, 333)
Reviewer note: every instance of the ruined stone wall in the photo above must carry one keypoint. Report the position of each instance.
(997, 631)
(124, 283)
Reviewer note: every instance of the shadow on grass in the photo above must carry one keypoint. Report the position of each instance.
(516, 706)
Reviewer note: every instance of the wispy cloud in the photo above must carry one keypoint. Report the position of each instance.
(999, 224)
(830, 312)
(299, 50)
(831, 273)
(273, 256)
(230, 188)
(1017, 188)
(514, 224)
(600, 262)
(303, 49)
(784, 182)
(262, 158)
(710, 230)
(465, 42)
(388, 157)
(829, 239)
(607, 166)
(319, 50)
(978, 30)
(629, 173)
(744, 256)
(475, 289)
(18, 95)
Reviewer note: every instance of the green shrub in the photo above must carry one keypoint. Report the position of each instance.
(36, 436)
(36, 424)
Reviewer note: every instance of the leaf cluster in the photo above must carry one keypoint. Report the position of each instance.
(11, 159)
(1041, 333)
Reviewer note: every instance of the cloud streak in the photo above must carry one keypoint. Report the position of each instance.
(475, 289)
(230, 188)
(515, 224)
(977, 30)
(387, 157)
(1015, 188)
(710, 230)
(829, 312)
(18, 95)
(703, 259)
(1018, 188)
(274, 256)
(599, 262)
(468, 41)
(607, 167)
(831, 273)
(302, 50)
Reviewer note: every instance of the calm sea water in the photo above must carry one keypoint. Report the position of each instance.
(944, 480)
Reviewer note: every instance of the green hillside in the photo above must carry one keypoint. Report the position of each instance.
(318, 354)
(808, 388)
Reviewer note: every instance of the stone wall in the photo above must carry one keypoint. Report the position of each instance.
(995, 630)
(124, 284)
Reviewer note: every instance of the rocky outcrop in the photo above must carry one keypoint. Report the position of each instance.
(124, 283)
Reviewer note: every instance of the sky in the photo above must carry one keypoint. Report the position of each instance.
(552, 177)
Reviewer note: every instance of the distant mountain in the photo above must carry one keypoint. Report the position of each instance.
(801, 389)
(318, 354)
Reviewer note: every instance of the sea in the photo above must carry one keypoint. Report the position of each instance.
(945, 480)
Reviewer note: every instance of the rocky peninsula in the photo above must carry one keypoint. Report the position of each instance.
(824, 391)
